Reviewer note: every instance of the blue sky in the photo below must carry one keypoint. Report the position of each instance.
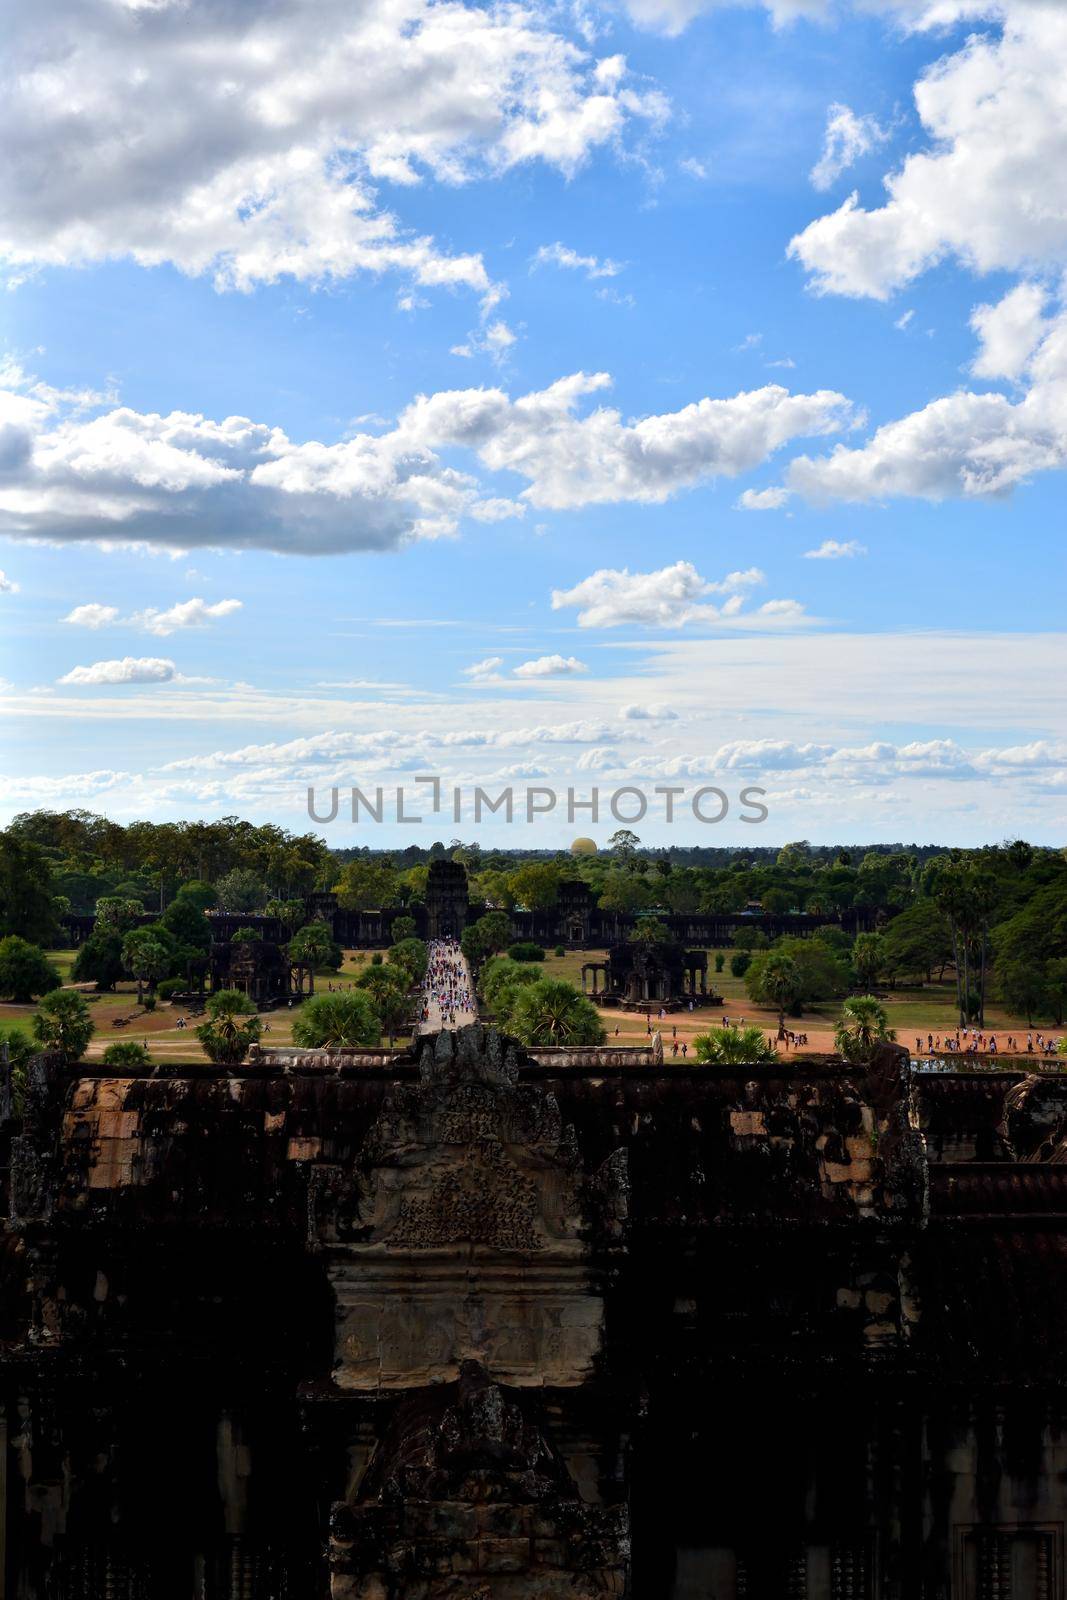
(310, 216)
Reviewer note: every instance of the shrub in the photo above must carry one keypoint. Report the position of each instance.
(126, 1053)
(227, 1038)
(350, 1018)
(720, 961)
(551, 1011)
(560, 950)
(170, 987)
(525, 950)
(739, 964)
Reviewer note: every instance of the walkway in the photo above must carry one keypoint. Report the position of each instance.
(447, 991)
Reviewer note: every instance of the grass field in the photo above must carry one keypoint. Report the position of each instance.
(912, 1012)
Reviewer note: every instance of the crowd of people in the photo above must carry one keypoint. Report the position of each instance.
(974, 1041)
(447, 997)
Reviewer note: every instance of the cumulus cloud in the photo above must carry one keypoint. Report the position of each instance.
(835, 550)
(8, 585)
(130, 669)
(653, 711)
(485, 671)
(762, 499)
(92, 615)
(965, 444)
(1009, 332)
(195, 613)
(847, 138)
(182, 479)
(667, 598)
(572, 461)
(555, 666)
(561, 255)
(244, 142)
(990, 191)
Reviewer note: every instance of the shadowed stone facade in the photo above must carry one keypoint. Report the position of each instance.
(474, 1322)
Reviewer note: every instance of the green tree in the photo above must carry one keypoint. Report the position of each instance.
(24, 970)
(241, 890)
(204, 896)
(535, 885)
(863, 1026)
(232, 1028)
(290, 913)
(649, 930)
(147, 957)
(624, 845)
(63, 1024)
(349, 1019)
(624, 892)
(733, 1047)
(499, 980)
(117, 914)
(313, 946)
(916, 941)
(366, 886)
(99, 961)
(188, 926)
(20, 1051)
(26, 891)
(1056, 988)
(1022, 986)
(740, 963)
(868, 958)
(774, 979)
(403, 928)
(551, 1011)
(412, 958)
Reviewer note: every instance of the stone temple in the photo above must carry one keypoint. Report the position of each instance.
(471, 1322)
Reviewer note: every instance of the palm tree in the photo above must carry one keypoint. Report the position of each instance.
(733, 1047)
(227, 1039)
(864, 1025)
(334, 1021)
(779, 984)
(551, 1011)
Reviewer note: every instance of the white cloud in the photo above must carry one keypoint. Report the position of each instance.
(904, 321)
(92, 615)
(762, 499)
(555, 666)
(965, 444)
(195, 613)
(485, 671)
(600, 758)
(561, 255)
(495, 340)
(183, 480)
(653, 711)
(8, 585)
(244, 141)
(1009, 332)
(847, 138)
(668, 598)
(572, 461)
(834, 550)
(131, 669)
(992, 188)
